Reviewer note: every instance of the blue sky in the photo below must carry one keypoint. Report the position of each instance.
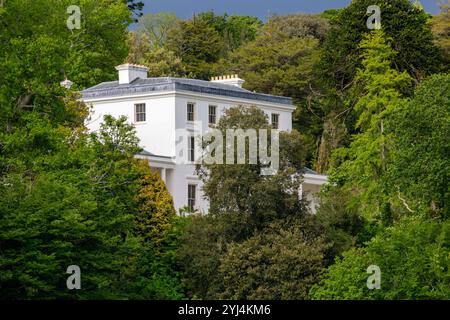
(259, 8)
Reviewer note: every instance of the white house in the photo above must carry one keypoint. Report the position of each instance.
(158, 107)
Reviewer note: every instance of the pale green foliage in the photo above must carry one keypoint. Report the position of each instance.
(413, 257)
(160, 61)
(440, 25)
(301, 25)
(362, 165)
(156, 26)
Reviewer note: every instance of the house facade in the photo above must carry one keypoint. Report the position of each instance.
(161, 108)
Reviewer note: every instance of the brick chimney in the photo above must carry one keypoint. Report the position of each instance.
(130, 72)
(229, 79)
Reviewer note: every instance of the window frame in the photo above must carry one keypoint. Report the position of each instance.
(191, 197)
(191, 148)
(275, 124)
(188, 113)
(212, 107)
(138, 113)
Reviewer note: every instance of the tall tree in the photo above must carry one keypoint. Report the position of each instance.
(240, 188)
(301, 25)
(418, 172)
(281, 61)
(417, 55)
(244, 204)
(234, 30)
(38, 50)
(156, 27)
(361, 167)
(198, 45)
(440, 26)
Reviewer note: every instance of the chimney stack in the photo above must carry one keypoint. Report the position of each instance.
(233, 80)
(130, 72)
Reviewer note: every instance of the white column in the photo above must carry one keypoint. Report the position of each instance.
(163, 174)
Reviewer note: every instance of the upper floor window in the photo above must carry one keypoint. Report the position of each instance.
(191, 149)
(190, 111)
(275, 120)
(139, 112)
(212, 114)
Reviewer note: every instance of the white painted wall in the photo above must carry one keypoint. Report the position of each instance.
(167, 112)
(157, 133)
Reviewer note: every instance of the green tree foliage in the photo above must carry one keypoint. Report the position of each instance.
(440, 25)
(280, 63)
(280, 263)
(148, 46)
(276, 64)
(400, 19)
(249, 213)
(301, 25)
(173, 47)
(361, 167)
(203, 242)
(408, 28)
(156, 211)
(197, 44)
(156, 26)
(241, 188)
(234, 30)
(342, 226)
(37, 51)
(161, 61)
(418, 171)
(413, 259)
(68, 199)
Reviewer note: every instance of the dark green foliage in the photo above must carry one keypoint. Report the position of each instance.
(280, 263)
(69, 200)
(197, 44)
(419, 170)
(203, 243)
(407, 27)
(234, 30)
(400, 20)
(342, 225)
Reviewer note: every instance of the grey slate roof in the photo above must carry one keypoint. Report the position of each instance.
(139, 86)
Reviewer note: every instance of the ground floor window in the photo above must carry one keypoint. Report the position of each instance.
(192, 190)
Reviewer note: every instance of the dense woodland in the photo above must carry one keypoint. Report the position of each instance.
(373, 112)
